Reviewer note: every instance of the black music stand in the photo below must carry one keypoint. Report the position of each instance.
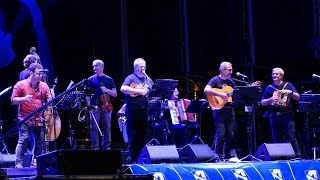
(161, 89)
(248, 96)
(196, 106)
(69, 102)
(310, 104)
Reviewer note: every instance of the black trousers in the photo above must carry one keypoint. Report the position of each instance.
(137, 123)
(283, 129)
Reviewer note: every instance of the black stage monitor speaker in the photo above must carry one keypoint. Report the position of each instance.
(275, 151)
(159, 154)
(80, 162)
(194, 153)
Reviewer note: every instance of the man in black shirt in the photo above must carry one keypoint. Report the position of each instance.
(102, 87)
(277, 97)
(136, 87)
(223, 114)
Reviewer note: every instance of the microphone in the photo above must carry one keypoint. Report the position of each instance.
(242, 75)
(44, 70)
(315, 76)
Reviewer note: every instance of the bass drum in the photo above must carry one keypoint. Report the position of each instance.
(53, 124)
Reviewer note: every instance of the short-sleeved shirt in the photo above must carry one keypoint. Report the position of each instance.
(94, 83)
(40, 95)
(143, 82)
(268, 92)
(24, 74)
(217, 82)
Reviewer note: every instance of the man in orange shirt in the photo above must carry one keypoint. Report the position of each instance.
(30, 94)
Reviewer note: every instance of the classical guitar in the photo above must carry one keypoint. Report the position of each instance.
(216, 102)
(105, 100)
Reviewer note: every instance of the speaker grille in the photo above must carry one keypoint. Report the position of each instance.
(159, 154)
(193, 153)
(275, 151)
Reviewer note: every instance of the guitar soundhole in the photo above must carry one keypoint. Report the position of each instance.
(216, 100)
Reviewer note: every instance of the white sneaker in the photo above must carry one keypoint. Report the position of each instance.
(18, 165)
(34, 164)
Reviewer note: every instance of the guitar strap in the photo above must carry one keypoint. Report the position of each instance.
(278, 89)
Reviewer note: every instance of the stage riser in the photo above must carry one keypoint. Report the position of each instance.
(80, 162)
(255, 170)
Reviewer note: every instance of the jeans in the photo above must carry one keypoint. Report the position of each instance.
(283, 129)
(105, 120)
(24, 132)
(224, 121)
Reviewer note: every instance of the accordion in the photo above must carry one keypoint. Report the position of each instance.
(283, 98)
(178, 112)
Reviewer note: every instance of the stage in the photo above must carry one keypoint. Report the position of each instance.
(303, 169)
(243, 170)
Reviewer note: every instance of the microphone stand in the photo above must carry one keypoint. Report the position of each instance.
(5, 90)
(237, 80)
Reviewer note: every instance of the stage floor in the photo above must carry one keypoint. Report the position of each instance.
(242, 170)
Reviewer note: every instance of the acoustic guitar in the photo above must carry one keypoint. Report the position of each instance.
(136, 86)
(216, 102)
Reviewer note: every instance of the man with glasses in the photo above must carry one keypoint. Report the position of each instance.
(136, 87)
(224, 117)
(30, 94)
(101, 87)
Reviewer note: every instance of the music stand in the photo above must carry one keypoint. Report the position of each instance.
(69, 102)
(248, 96)
(163, 88)
(310, 104)
(196, 106)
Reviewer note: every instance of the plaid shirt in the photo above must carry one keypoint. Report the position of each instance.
(39, 95)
